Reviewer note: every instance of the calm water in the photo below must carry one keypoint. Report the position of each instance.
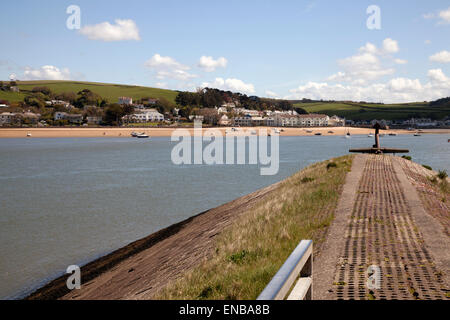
(67, 201)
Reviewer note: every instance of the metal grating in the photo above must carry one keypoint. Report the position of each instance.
(382, 232)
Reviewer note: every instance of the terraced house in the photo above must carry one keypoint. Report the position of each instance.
(303, 120)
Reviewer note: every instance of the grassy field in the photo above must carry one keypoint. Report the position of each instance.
(356, 111)
(250, 252)
(109, 91)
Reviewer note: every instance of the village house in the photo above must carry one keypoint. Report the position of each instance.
(125, 100)
(303, 120)
(63, 103)
(30, 117)
(7, 118)
(335, 121)
(94, 120)
(224, 121)
(71, 118)
(148, 115)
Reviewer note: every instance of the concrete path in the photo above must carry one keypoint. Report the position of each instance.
(380, 222)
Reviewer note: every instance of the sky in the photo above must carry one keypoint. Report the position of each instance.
(378, 51)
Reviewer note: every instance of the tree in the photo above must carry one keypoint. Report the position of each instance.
(300, 110)
(44, 90)
(87, 97)
(113, 114)
(35, 100)
(67, 96)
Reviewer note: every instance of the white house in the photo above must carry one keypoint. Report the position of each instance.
(303, 120)
(125, 100)
(6, 117)
(59, 115)
(146, 116)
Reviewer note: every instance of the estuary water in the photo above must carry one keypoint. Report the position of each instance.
(67, 201)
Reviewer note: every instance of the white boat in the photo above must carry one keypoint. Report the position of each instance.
(277, 131)
(417, 134)
(142, 136)
(28, 134)
(253, 132)
(370, 135)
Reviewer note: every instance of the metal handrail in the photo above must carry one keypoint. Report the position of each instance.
(298, 263)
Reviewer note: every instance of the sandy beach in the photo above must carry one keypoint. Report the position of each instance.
(167, 132)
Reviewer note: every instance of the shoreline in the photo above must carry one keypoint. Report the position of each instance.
(167, 132)
(160, 241)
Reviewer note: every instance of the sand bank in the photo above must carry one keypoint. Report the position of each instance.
(167, 132)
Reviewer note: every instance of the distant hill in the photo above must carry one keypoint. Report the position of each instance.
(109, 91)
(350, 110)
(361, 111)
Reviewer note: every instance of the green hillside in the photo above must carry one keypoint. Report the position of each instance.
(356, 111)
(109, 91)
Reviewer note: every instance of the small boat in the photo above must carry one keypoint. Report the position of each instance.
(318, 134)
(142, 136)
(331, 132)
(348, 133)
(417, 134)
(392, 134)
(370, 135)
(253, 132)
(28, 134)
(308, 131)
(134, 134)
(277, 131)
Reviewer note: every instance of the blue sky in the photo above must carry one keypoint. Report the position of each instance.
(286, 49)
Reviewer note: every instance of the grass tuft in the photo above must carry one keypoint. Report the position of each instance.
(249, 252)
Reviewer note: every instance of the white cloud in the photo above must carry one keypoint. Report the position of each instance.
(404, 85)
(158, 61)
(427, 41)
(396, 90)
(400, 61)
(271, 94)
(437, 75)
(367, 64)
(444, 15)
(122, 30)
(167, 67)
(47, 73)
(390, 46)
(442, 57)
(231, 85)
(209, 64)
